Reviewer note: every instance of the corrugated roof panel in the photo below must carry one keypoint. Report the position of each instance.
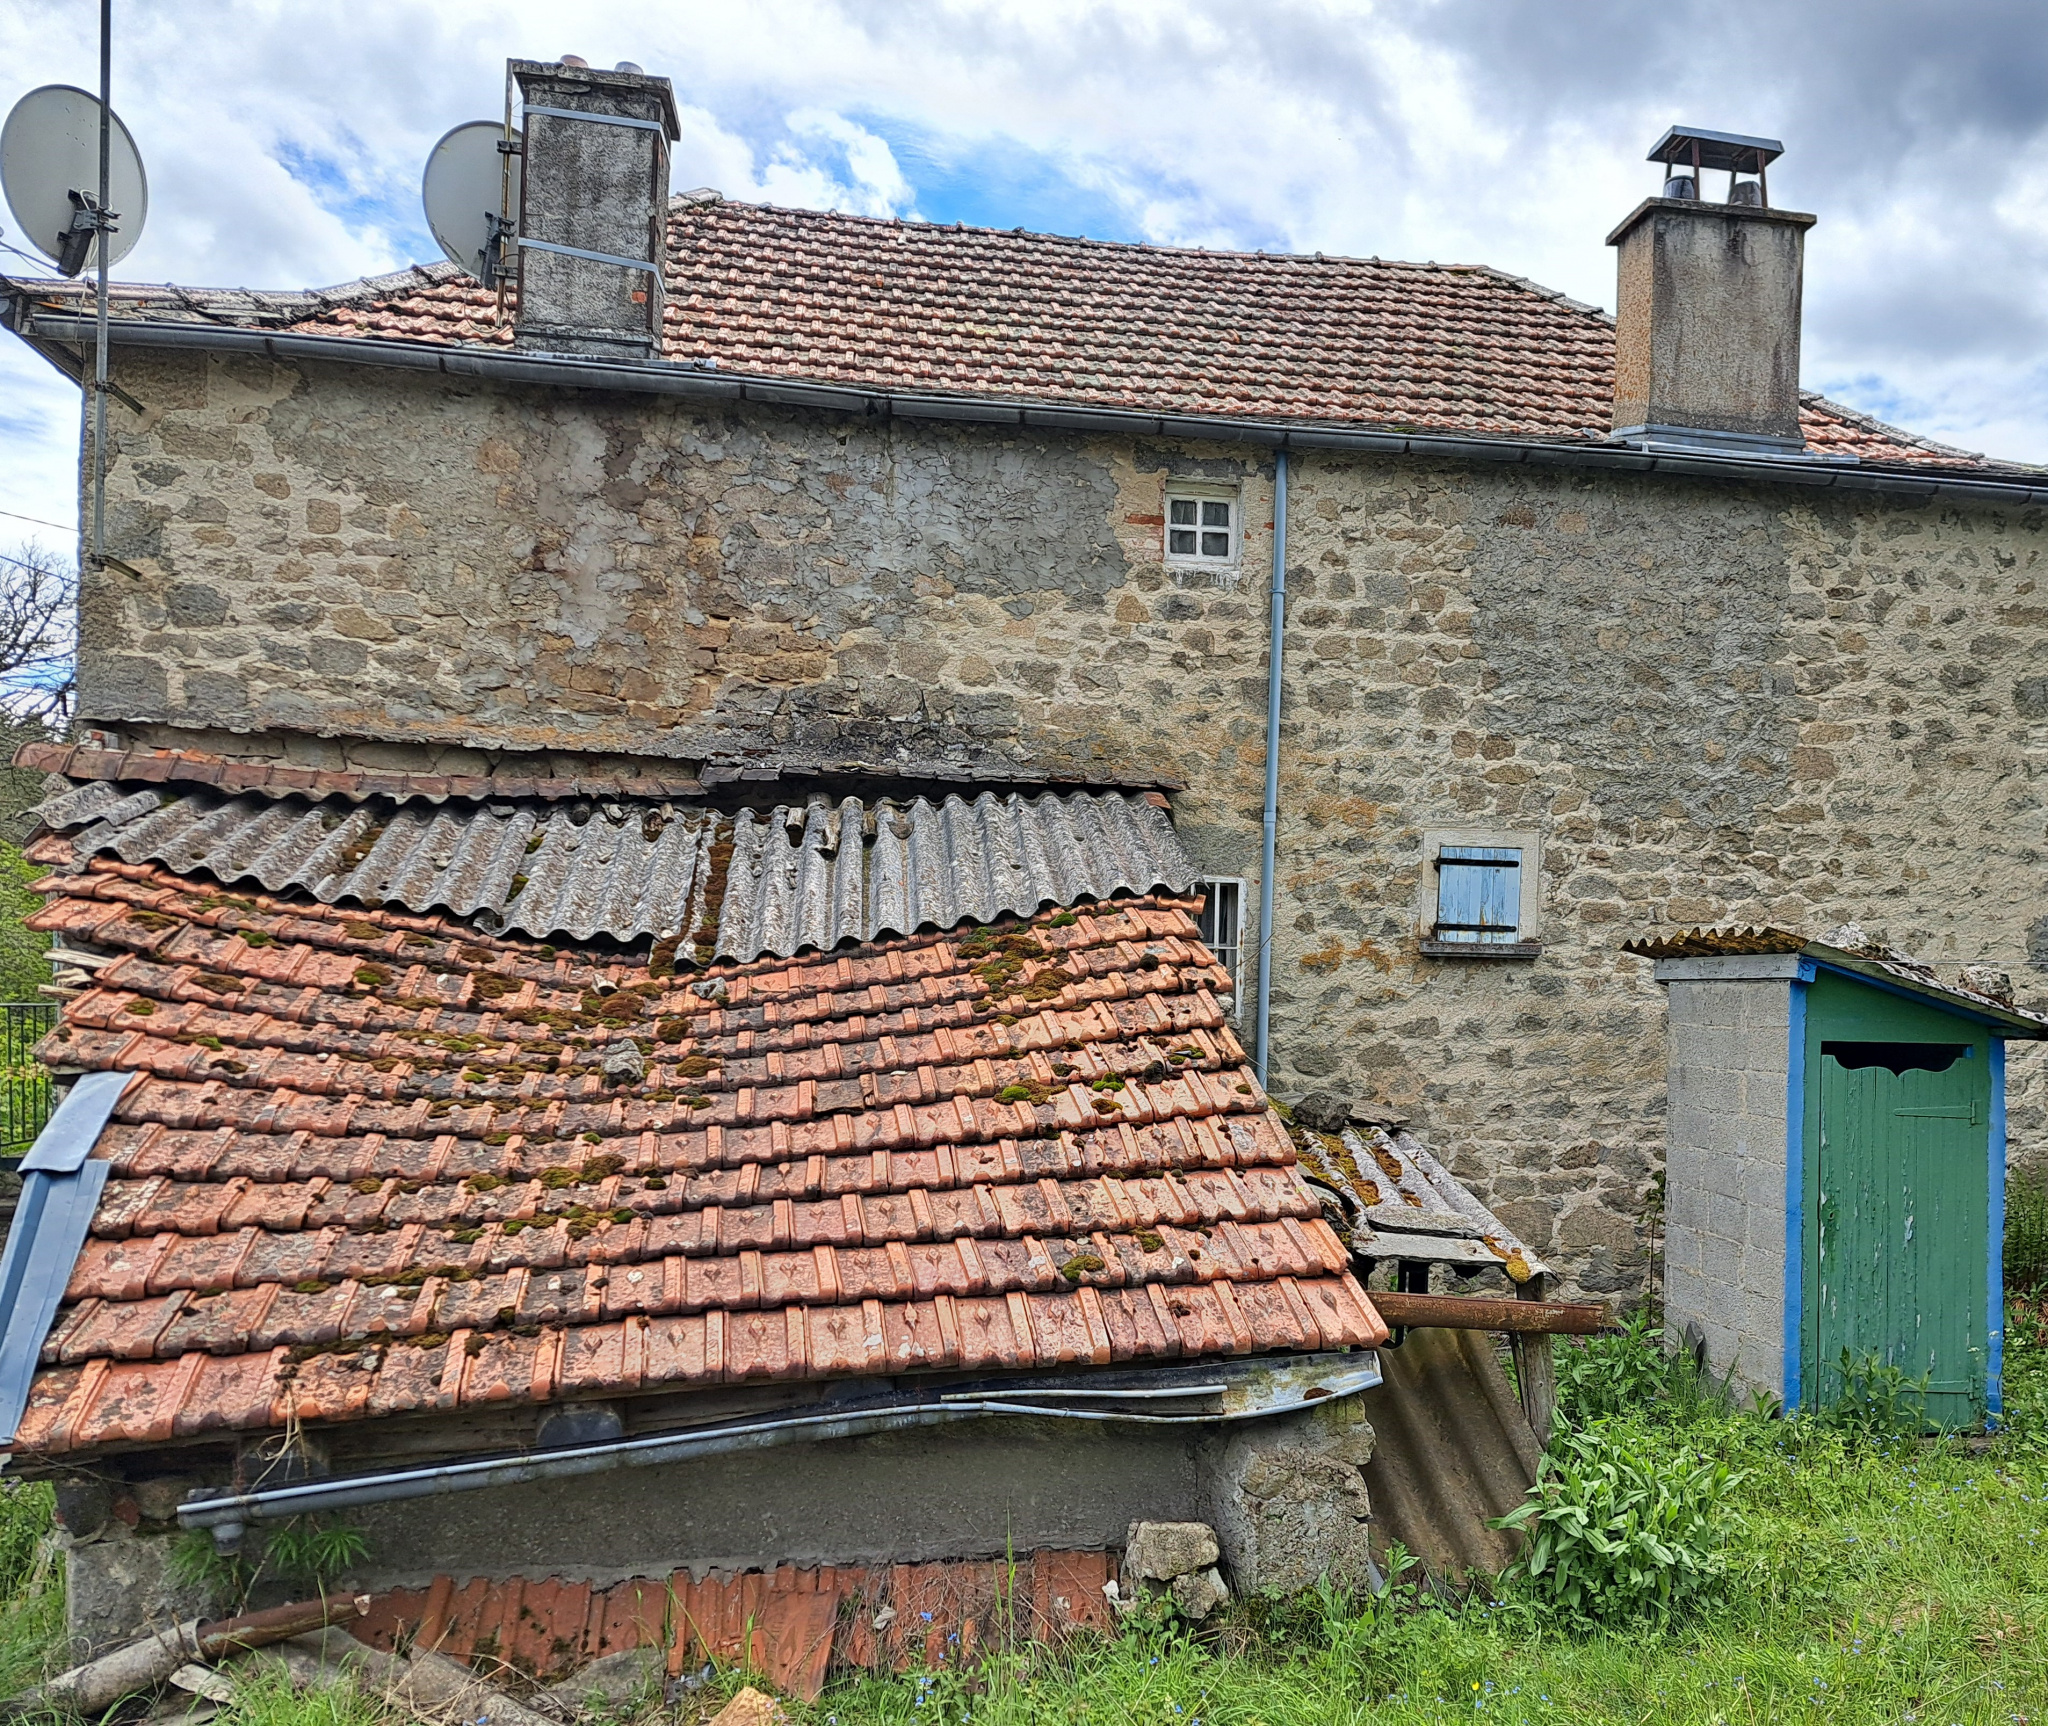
(801, 876)
(814, 875)
(1406, 1204)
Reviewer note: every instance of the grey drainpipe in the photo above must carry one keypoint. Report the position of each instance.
(1270, 822)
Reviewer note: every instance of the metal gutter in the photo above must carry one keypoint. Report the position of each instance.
(669, 378)
(1218, 1391)
(1269, 819)
(60, 1190)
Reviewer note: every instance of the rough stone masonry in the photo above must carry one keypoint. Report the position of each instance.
(1712, 702)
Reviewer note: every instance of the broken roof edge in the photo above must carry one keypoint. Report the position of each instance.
(720, 778)
(1983, 481)
(1432, 1216)
(1873, 964)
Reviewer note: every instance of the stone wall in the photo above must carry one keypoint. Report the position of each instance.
(1728, 1154)
(1714, 703)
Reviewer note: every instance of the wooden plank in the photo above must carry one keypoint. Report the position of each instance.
(1475, 1312)
(1535, 1369)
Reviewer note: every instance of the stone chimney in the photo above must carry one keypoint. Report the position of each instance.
(593, 209)
(1707, 314)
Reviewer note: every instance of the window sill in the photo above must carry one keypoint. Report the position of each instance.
(1481, 949)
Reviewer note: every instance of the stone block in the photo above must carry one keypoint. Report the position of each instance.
(1199, 1593)
(613, 1681)
(1289, 1501)
(120, 1587)
(1160, 1551)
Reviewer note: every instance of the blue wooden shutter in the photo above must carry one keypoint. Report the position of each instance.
(1478, 893)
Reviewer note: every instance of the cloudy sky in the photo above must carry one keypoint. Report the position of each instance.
(284, 144)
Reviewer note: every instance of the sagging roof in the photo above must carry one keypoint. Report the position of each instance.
(918, 307)
(1978, 992)
(377, 1164)
(798, 876)
(1401, 1203)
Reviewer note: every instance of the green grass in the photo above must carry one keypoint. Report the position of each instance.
(31, 1586)
(1870, 1578)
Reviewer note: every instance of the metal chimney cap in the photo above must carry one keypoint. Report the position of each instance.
(1729, 152)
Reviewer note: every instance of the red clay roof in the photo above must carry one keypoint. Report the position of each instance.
(372, 1166)
(913, 306)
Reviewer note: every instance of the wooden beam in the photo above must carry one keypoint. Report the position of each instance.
(1473, 1312)
(1535, 1370)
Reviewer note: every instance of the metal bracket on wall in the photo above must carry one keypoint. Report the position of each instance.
(597, 119)
(595, 257)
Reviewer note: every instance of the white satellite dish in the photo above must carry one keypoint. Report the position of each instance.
(50, 157)
(465, 194)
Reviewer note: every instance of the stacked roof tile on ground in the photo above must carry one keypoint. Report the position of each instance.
(375, 1164)
(794, 1625)
(918, 307)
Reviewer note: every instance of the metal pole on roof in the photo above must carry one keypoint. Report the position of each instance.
(1270, 822)
(104, 237)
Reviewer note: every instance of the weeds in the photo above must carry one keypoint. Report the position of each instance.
(1622, 1531)
(306, 1553)
(1877, 1400)
(2026, 1231)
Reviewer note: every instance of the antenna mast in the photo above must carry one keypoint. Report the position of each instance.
(99, 352)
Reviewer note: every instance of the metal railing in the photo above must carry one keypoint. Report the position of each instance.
(24, 1081)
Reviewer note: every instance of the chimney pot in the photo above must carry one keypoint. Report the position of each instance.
(1707, 313)
(572, 60)
(593, 211)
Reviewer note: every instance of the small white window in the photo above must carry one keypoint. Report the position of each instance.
(1478, 896)
(1201, 523)
(1221, 922)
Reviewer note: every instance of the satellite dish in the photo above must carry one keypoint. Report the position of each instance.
(465, 196)
(50, 158)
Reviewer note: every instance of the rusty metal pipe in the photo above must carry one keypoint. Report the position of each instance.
(1474, 1312)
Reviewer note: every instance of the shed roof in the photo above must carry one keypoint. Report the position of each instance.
(1872, 961)
(952, 310)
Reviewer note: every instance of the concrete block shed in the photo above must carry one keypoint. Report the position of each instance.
(1835, 1173)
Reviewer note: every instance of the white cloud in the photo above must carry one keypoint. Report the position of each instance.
(285, 142)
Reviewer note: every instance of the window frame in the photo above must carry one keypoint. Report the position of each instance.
(1200, 492)
(1527, 942)
(1235, 963)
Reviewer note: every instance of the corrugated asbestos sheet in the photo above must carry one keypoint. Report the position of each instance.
(783, 880)
(1404, 1204)
(1451, 1452)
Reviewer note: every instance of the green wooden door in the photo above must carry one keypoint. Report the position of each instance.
(1904, 1211)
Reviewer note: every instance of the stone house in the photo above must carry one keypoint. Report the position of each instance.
(927, 552)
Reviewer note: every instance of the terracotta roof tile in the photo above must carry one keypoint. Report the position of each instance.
(910, 306)
(348, 1189)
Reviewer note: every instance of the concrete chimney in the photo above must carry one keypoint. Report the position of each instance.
(593, 210)
(1707, 314)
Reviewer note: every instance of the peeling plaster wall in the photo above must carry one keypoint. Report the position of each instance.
(1714, 703)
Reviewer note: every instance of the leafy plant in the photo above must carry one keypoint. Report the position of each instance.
(1631, 1372)
(2026, 1231)
(1622, 1530)
(305, 1554)
(312, 1553)
(1878, 1400)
